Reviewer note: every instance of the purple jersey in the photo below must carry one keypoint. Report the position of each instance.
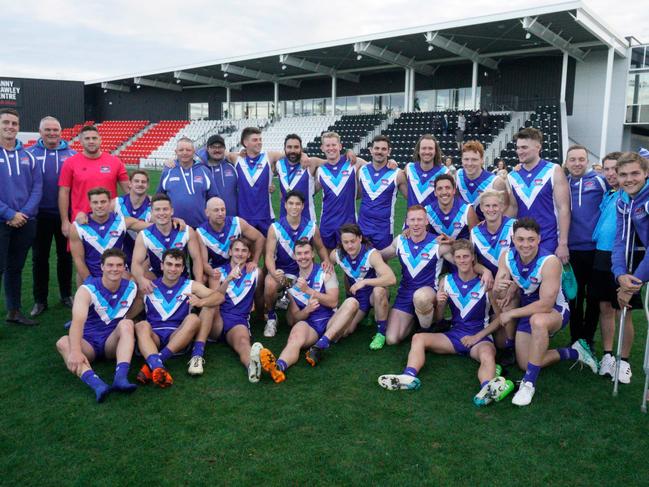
(218, 242)
(454, 224)
(468, 301)
(338, 183)
(294, 177)
(471, 189)
(420, 262)
(124, 207)
(489, 246)
(421, 184)
(99, 237)
(378, 196)
(156, 243)
(107, 308)
(253, 180)
(167, 307)
(240, 294)
(317, 281)
(287, 236)
(534, 195)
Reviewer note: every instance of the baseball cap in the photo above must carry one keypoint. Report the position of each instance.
(215, 139)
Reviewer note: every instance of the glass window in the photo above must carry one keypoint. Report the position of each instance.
(263, 109)
(341, 105)
(318, 107)
(443, 100)
(237, 110)
(367, 104)
(352, 105)
(397, 101)
(199, 111)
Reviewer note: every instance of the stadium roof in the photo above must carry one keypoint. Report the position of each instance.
(569, 27)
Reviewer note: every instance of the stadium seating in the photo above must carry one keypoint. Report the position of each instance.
(70, 133)
(405, 130)
(547, 119)
(351, 128)
(114, 133)
(153, 138)
(307, 128)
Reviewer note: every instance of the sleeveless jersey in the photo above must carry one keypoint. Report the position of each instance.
(358, 267)
(218, 242)
(240, 295)
(471, 189)
(167, 307)
(489, 246)
(287, 236)
(420, 262)
(533, 191)
(124, 208)
(378, 196)
(338, 183)
(295, 177)
(528, 277)
(107, 308)
(253, 180)
(453, 224)
(156, 243)
(469, 303)
(421, 184)
(98, 237)
(316, 281)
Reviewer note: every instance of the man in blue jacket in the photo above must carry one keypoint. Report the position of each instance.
(50, 153)
(223, 172)
(20, 194)
(587, 189)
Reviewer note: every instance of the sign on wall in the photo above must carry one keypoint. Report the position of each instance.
(10, 93)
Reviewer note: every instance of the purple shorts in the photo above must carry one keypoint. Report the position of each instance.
(363, 298)
(330, 240)
(230, 321)
(261, 225)
(164, 334)
(524, 323)
(97, 339)
(455, 335)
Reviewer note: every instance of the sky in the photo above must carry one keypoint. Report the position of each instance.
(87, 40)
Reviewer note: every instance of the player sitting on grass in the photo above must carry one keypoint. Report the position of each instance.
(361, 264)
(313, 299)
(99, 328)
(238, 282)
(169, 323)
(467, 297)
(535, 274)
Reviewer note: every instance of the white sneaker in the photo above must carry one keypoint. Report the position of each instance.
(586, 357)
(396, 382)
(196, 365)
(271, 328)
(254, 365)
(524, 395)
(607, 365)
(624, 375)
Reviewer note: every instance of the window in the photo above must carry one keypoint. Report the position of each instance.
(199, 111)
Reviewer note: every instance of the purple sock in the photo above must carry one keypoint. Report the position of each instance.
(411, 371)
(199, 349)
(381, 326)
(154, 362)
(484, 383)
(165, 354)
(323, 343)
(568, 354)
(96, 384)
(509, 343)
(272, 315)
(281, 365)
(121, 372)
(532, 373)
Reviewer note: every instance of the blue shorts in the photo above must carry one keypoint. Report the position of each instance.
(231, 320)
(524, 323)
(330, 239)
(318, 324)
(164, 333)
(291, 268)
(549, 243)
(262, 225)
(455, 335)
(380, 240)
(97, 339)
(363, 298)
(403, 301)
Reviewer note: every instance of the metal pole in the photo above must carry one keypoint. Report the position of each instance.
(406, 89)
(227, 101)
(607, 100)
(276, 99)
(564, 77)
(474, 86)
(412, 90)
(333, 95)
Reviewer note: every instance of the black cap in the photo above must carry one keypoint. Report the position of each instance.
(215, 139)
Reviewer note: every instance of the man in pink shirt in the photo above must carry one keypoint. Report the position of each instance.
(89, 169)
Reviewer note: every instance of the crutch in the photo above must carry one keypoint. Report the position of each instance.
(620, 333)
(645, 364)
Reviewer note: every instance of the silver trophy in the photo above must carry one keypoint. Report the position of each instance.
(287, 282)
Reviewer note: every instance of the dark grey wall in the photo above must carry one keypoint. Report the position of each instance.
(40, 97)
(518, 84)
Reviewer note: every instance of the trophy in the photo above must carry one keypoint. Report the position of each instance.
(287, 282)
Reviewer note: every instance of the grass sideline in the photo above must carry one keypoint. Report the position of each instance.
(329, 425)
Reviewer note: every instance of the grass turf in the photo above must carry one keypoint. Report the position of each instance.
(329, 425)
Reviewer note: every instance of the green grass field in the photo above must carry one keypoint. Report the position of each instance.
(330, 425)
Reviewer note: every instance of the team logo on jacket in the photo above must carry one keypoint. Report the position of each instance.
(178, 245)
(114, 233)
(502, 242)
(384, 182)
(123, 304)
(180, 298)
(475, 295)
(425, 255)
(247, 282)
(457, 225)
(198, 179)
(534, 280)
(538, 182)
(104, 169)
(345, 173)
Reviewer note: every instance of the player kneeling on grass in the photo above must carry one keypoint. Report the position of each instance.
(535, 274)
(313, 299)
(99, 328)
(231, 324)
(169, 323)
(367, 277)
(468, 299)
